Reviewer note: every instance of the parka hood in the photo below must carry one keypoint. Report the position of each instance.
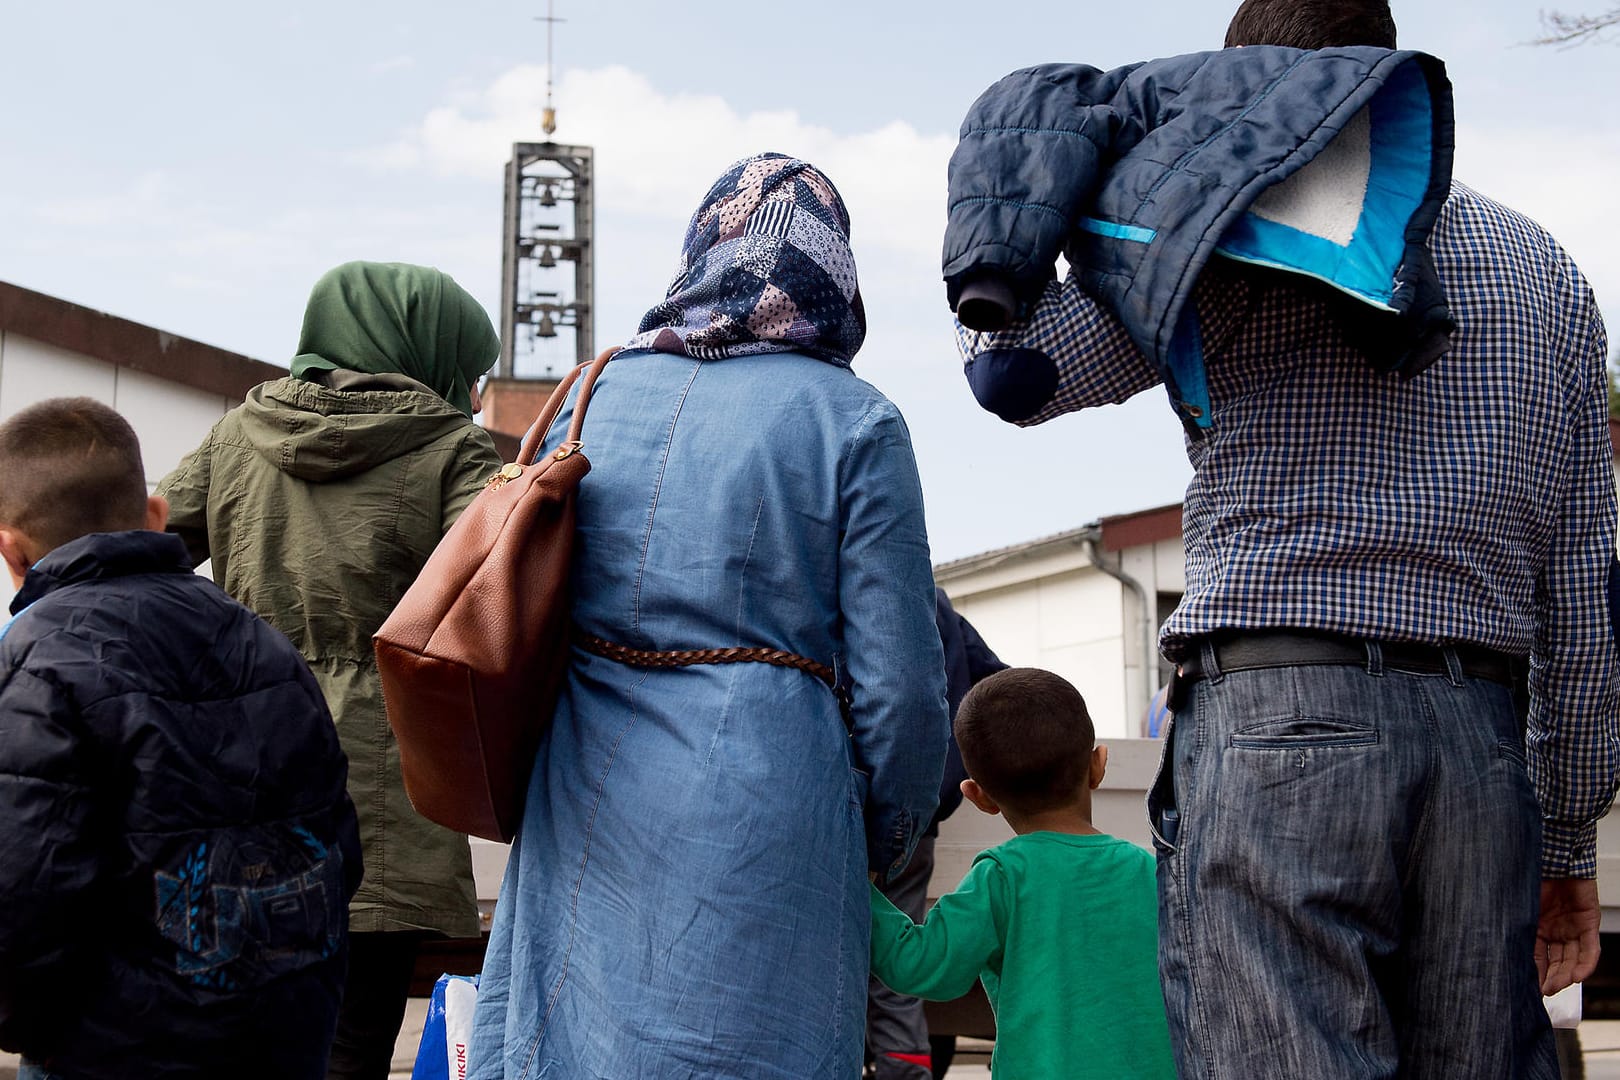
(317, 434)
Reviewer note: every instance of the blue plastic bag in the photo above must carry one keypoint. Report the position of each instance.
(443, 1053)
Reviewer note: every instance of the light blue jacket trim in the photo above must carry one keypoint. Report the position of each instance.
(1401, 153)
(1138, 234)
(1186, 362)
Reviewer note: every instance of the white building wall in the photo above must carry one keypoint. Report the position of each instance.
(1051, 608)
(1067, 622)
(171, 419)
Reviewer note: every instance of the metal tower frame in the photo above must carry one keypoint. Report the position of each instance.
(539, 244)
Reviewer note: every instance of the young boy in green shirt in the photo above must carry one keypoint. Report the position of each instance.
(1061, 921)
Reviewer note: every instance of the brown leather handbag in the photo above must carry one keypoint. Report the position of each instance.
(474, 656)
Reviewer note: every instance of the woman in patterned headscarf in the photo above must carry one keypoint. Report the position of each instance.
(687, 896)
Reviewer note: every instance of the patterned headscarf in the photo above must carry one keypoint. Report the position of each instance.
(766, 267)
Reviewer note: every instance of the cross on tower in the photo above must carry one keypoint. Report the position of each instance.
(548, 118)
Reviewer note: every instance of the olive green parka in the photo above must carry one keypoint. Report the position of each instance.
(318, 507)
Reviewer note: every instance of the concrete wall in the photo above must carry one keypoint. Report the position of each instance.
(1068, 623)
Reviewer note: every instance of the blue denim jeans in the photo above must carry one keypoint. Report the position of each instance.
(1348, 878)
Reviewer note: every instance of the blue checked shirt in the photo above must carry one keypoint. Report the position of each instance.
(1473, 504)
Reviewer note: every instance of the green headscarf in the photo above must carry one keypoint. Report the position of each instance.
(394, 317)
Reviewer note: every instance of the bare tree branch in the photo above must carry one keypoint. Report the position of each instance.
(1565, 29)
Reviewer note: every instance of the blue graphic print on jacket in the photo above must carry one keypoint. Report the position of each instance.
(233, 918)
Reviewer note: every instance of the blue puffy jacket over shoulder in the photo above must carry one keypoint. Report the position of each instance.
(179, 848)
(1139, 175)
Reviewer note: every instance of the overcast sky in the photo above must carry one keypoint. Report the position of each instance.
(196, 166)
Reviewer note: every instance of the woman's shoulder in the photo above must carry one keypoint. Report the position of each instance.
(802, 375)
(773, 396)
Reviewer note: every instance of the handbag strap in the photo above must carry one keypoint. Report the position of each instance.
(648, 658)
(548, 413)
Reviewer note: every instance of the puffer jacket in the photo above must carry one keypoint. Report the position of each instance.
(178, 847)
(1139, 175)
(318, 507)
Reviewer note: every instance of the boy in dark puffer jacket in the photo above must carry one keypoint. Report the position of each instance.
(179, 849)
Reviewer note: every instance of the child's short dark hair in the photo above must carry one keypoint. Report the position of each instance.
(70, 467)
(1026, 738)
(1312, 24)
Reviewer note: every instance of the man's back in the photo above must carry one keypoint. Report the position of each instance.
(1394, 653)
(179, 849)
(1462, 506)
(1412, 509)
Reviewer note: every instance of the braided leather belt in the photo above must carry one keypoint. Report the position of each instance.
(648, 658)
(1252, 650)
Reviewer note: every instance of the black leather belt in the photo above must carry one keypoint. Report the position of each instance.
(1252, 650)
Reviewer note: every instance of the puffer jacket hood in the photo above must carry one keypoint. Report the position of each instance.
(318, 435)
(1140, 175)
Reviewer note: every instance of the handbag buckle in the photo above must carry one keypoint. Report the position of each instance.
(510, 471)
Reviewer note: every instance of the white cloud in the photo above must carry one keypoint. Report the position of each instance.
(656, 152)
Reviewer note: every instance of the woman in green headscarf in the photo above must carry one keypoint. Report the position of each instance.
(396, 319)
(319, 499)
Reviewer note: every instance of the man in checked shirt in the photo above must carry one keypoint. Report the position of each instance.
(1348, 817)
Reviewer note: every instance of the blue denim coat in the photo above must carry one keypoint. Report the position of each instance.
(687, 894)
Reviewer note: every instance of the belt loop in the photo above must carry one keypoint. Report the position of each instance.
(1206, 654)
(1375, 658)
(1454, 667)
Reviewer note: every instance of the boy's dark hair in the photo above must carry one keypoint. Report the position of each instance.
(1026, 738)
(1312, 24)
(70, 467)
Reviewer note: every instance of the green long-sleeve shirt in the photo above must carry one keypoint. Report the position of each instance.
(1063, 931)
